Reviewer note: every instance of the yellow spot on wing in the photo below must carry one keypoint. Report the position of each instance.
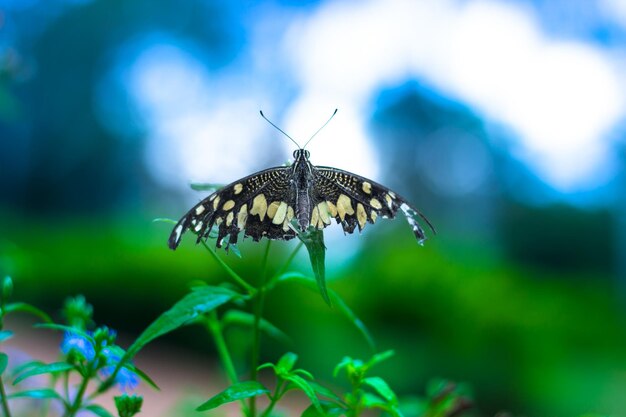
(376, 204)
(228, 205)
(361, 216)
(389, 201)
(344, 206)
(315, 217)
(392, 194)
(323, 209)
(367, 187)
(281, 212)
(332, 209)
(242, 216)
(229, 218)
(271, 210)
(373, 216)
(238, 188)
(259, 206)
(216, 202)
(199, 210)
(288, 218)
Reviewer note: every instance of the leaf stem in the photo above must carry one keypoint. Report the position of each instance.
(258, 313)
(251, 290)
(215, 328)
(274, 398)
(5, 403)
(79, 395)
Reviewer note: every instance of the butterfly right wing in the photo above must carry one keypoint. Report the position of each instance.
(261, 205)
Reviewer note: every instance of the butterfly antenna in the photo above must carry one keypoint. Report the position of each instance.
(278, 128)
(318, 130)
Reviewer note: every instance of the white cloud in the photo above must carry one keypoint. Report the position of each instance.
(561, 98)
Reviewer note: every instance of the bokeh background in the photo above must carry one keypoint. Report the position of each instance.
(502, 120)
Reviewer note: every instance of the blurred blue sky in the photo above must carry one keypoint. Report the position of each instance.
(548, 73)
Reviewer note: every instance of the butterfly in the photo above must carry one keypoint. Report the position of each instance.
(277, 202)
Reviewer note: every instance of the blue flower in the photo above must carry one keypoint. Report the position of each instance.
(126, 379)
(78, 345)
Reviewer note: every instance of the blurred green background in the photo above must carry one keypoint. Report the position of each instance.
(503, 121)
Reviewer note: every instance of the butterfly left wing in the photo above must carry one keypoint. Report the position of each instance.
(261, 205)
(355, 201)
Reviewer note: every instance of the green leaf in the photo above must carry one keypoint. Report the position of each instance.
(5, 335)
(98, 410)
(370, 400)
(196, 186)
(4, 361)
(381, 386)
(379, 357)
(235, 392)
(324, 392)
(345, 362)
(304, 385)
(242, 318)
(164, 220)
(337, 301)
(200, 301)
(51, 368)
(36, 393)
(329, 409)
(142, 375)
(313, 240)
(70, 329)
(23, 366)
(27, 308)
(286, 363)
(303, 372)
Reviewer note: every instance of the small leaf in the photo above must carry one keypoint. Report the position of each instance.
(69, 329)
(235, 392)
(324, 392)
(4, 361)
(381, 386)
(23, 366)
(313, 240)
(379, 357)
(370, 400)
(5, 335)
(164, 220)
(98, 410)
(286, 363)
(51, 368)
(345, 362)
(200, 301)
(329, 409)
(303, 372)
(243, 318)
(196, 186)
(36, 393)
(27, 308)
(142, 375)
(304, 385)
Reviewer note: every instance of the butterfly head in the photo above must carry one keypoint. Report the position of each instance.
(300, 154)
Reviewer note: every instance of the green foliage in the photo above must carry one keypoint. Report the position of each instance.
(239, 391)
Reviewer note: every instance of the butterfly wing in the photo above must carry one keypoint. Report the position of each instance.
(261, 205)
(355, 201)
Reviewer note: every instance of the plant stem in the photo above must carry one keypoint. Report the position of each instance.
(258, 313)
(215, 329)
(79, 395)
(251, 290)
(274, 399)
(5, 403)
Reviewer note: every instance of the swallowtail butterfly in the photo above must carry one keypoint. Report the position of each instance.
(274, 202)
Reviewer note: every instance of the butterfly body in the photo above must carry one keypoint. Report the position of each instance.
(265, 203)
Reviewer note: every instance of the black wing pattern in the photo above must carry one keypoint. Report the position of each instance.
(355, 201)
(261, 205)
